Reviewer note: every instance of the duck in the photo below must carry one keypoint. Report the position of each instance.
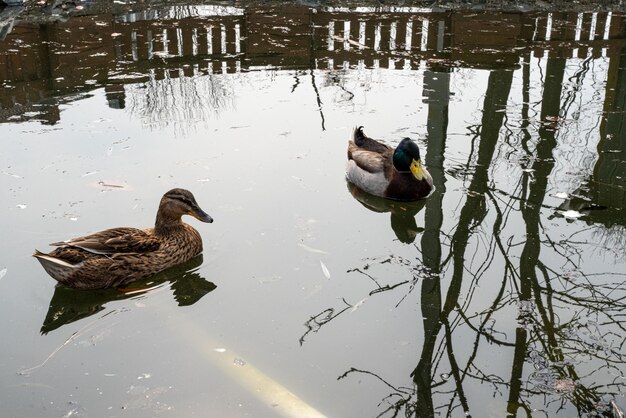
(380, 170)
(118, 256)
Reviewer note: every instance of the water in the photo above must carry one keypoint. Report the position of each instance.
(502, 294)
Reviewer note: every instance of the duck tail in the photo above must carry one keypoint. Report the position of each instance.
(58, 269)
(358, 136)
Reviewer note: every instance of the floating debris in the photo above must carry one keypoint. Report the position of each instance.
(3, 273)
(239, 362)
(17, 176)
(272, 279)
(75, 410)
(219, 350)
(111, 185)
(617, 412)
(561, 195)
(525, 306)
(325, 269)
(564, 385)
(572, 214)
(358, 305)
(311, 249)
(146, 398)
(21, 206)
(103, 120)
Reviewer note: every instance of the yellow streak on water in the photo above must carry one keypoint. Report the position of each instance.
(276, 396)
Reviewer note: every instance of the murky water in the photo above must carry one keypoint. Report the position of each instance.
(502, 294)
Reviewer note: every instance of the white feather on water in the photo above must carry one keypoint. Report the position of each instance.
(325, 269)
(311, 249)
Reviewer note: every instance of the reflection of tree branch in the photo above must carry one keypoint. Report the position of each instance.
(454, 367)
(317, 96)
(358, 270)
(314, 324)
(405, 394)
(480, 331)
(387, 287)
(296, 82)
(353, 370)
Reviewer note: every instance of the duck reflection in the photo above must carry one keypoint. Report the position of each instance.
(68, 305)
(402, 213)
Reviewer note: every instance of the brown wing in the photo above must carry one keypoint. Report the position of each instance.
(115, 240)
(369, 161)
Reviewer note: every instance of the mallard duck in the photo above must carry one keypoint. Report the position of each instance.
(118, 256)
(382, 171)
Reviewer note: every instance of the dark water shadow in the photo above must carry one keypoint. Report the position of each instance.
(68, 305)
(402, 213)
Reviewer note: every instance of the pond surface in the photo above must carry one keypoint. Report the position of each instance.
(502, 294)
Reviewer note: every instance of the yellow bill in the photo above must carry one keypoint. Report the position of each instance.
(417, 170)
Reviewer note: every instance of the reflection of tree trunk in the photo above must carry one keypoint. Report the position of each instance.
(431, 246)
(609, 172)
(474, 210)
(526, 102)
(531, 208)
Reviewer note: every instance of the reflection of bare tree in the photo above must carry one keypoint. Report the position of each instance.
(181, 101)
(566, 349)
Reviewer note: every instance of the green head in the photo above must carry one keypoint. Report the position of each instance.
(406, 157)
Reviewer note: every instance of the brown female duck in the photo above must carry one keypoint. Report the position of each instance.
(380, 170)
(118, 256)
